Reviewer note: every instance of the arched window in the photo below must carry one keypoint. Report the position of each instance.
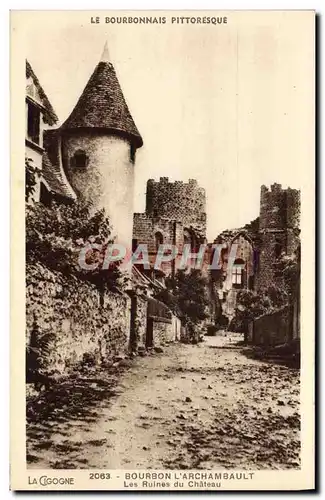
(237, 275)
(79, 159)
(159, 239)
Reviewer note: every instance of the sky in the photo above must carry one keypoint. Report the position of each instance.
(228, 105)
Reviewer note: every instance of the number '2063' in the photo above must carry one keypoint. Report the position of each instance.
(99, 475)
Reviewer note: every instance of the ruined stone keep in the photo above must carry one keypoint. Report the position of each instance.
(261, 243)
(278, 230)
(180, 201)
(175, 214)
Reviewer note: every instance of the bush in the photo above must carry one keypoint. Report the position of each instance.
(211, 330)
(223, 322)
(38, 356)
(32, 174)
(55, 236)
(186, 295)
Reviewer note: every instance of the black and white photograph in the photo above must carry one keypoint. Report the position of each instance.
(164, 190)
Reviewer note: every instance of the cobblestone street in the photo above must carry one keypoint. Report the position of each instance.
(193, 406)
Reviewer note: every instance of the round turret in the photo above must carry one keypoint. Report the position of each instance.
(99, 143)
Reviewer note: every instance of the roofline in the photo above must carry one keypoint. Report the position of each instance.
(133, 139)
(54, 192)
(46, 184)
(36, 103)
(48, 106)
(34, 146)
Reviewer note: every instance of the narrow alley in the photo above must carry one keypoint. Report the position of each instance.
(204, 406)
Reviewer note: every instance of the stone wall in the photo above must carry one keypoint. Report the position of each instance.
(73, 319)
(163, 332)
(177, 327)
(279, 230)
(244, 257)
(179, 201)
(279, 208)
(141, 320)
(175, 215)
(272, 329)
(145, 229)
(267, 255)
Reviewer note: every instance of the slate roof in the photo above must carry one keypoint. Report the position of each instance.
(52, 170)
(49, 114)
(102, 105)
(142, 279)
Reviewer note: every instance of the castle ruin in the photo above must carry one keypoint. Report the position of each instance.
(175, 215)
(278, 230)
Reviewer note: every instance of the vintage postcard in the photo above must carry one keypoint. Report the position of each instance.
(163, 236)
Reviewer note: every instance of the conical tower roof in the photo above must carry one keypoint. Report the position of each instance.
(102, 104)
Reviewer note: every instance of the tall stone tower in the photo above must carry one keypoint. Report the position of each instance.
(180, 201)
(278, 229)
(99, 143)
(175, 215)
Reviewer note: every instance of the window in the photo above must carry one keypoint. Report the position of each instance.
(238, 274)
(159, 239)
(33, 123)
(79, 159)
(132, 153)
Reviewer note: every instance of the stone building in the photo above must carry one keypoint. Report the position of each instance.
(40, 118)
(99, 144)
(152, 322)
(91, 157)
(180, 201)
(278, 230)
(260, 244)
(175, 215)
(237, 267)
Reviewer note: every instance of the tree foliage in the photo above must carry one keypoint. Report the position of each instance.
(186, 295)
(251, 305)
(56, 236)
(288, 267)
(189, 290)
(32, 174)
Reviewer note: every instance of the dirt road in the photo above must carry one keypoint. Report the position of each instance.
(193, 406)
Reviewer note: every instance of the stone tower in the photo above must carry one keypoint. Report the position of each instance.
(180, 201)
(278, 229)
(175, 215)
(99, 143)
